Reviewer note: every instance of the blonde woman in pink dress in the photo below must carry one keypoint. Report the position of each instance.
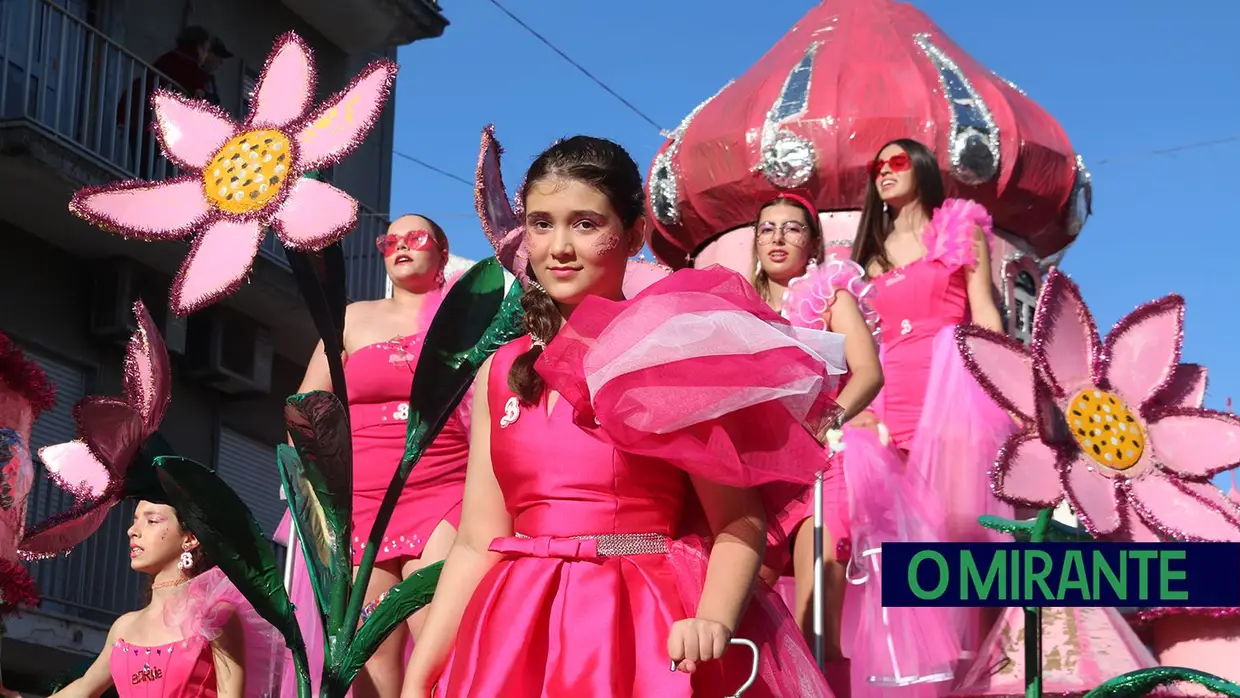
(196, 638)
(601, 443)
(867, 498)
(929, 260)
(382, 341)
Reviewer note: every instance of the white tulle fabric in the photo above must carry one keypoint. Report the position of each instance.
(696, 337)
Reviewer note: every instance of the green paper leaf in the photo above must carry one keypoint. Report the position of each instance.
(447, 364)
(319, 425)
(1143, 681)
(318, 528)
(404, 599)
(1022, 531)
(231, 538)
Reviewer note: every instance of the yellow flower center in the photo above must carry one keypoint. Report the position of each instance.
(1106, 429)
(248, 171)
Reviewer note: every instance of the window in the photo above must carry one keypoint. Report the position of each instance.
(249, 467)
(1024, 302)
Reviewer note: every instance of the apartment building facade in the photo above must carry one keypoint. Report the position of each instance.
(66, 68)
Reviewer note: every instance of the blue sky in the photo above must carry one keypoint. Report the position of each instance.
(1124, 77)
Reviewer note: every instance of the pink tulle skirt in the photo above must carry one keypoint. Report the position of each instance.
(890, 647)
(958, 438)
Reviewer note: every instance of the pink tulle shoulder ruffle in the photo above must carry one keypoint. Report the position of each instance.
(811, 295)
(206, 605)
(950, 236)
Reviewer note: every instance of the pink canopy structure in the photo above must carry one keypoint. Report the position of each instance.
(813, 111)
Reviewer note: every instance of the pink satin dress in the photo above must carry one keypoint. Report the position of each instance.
(379, 377)
(933, 407)
(585, 595)
(184, 669)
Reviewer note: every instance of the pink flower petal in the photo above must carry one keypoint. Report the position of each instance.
(1196, 443)
(285, 87)
(1026, 472)
(1001, 365)
(1144, 348)
(190, 132)
(1187, 387)
(1092, 496)
(219, 261)
(1065, 339)
(76, 470)
(112, 429)
(147, 374)
(167, 210)
(1134, 528)
(1192, 511)
(314, 215)
(63, 531)
(343, 121)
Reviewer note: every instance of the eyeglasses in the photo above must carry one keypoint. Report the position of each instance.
(414, 241)
(898, 163)
(796, 234)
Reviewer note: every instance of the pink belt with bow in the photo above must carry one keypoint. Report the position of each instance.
(590, 547)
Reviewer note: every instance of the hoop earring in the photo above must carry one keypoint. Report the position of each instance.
(186, 562)
(440, 280)
(757, 269)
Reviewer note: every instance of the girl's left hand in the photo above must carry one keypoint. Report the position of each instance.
(695, 640)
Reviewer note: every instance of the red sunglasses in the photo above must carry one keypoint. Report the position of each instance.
(898, 163)
(414, 241)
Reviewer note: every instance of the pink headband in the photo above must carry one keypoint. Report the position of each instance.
(813, 210)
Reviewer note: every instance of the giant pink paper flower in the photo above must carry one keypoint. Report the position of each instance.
(245, 177)
(111, 430)
(1116, 426)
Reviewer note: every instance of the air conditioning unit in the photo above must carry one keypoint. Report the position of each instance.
(231, 352)
(117, 283)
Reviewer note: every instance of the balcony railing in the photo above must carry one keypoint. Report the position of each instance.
(69, 80)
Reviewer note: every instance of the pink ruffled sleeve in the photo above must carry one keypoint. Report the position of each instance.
(809, 297)
(950, 238)
(207, 604)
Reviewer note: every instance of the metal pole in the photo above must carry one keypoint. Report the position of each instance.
(820, 639)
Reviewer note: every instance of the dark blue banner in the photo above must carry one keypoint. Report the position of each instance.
(1061, 574)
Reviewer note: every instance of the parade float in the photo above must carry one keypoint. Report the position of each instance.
(809, 116)
(815, 109)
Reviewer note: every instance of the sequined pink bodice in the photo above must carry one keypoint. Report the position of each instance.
(182, 669)
(559, 480)
(379, 377)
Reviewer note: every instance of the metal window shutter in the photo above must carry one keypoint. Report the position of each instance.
(116, 588)
(249, 467)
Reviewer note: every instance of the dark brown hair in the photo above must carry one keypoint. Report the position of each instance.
(606, 167)
(875, 225)
(761, 282)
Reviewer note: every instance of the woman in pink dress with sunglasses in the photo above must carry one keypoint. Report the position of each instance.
(929, 260)
(382, 341)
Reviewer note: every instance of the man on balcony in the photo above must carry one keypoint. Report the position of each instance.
(183, 69)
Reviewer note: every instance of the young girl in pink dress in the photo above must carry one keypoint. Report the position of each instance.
(382, 341)
(601, 443)
(929, 260)
(866, 498)
(196, 638)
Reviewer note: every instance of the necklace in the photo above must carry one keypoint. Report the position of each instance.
(173, 583)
